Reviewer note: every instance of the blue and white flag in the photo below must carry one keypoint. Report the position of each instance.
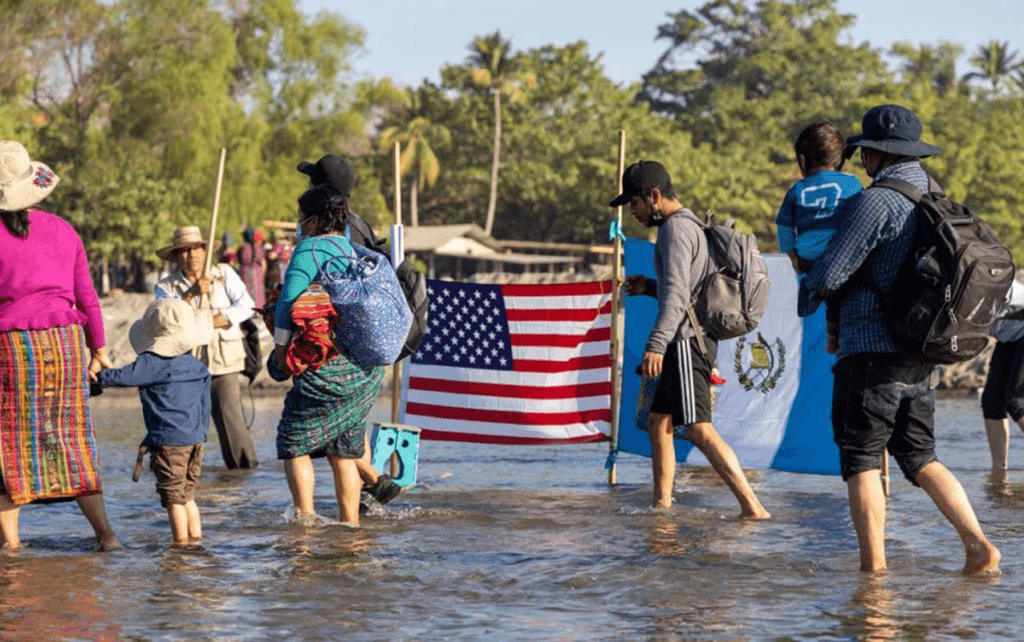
(774, 409)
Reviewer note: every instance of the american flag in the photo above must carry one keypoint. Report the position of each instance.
(513, 364)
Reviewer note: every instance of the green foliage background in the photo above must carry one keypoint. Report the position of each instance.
(131, 101)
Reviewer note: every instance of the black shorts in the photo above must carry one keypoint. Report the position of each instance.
(1004, 386)
(684, 390)
(883, 401)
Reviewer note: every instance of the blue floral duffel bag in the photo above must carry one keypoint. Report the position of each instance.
(374, 316)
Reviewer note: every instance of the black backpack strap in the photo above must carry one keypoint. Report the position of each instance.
(691, 314)
(903, 187)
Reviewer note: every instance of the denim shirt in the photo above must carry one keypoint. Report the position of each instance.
(878, 230)
(175, 395)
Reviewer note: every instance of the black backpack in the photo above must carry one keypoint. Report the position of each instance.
(733, 296)
(253, 350)
(952, 282)
(414, 286)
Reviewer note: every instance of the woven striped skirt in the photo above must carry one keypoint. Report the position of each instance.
(325, 411)
(47, 447)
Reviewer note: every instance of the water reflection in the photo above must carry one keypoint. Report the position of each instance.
(873, 610)
(327, 551)
(510, 543)
(1002, 493)
(664, 537)
(37, 593)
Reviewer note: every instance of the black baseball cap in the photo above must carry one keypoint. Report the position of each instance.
(333, 171)
(640, 178)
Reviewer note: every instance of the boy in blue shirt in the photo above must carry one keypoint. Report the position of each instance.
(814, 206)
(174, 388)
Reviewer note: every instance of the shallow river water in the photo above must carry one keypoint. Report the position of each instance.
(513, 543)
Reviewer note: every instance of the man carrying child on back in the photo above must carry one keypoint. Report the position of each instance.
(883, 398)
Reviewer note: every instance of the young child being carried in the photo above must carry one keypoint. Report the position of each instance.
(814, 206)
(174, 388)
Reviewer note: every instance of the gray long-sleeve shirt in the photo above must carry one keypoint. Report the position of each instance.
(680, 263)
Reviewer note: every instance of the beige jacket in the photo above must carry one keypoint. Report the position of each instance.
(224, 353)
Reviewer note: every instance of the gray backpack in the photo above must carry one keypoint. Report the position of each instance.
(733, 296)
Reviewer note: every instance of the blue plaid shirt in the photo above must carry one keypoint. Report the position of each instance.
(877, 218)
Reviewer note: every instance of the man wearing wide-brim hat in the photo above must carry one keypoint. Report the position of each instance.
(883, 400)
(224, 307)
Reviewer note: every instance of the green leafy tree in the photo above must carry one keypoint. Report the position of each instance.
(559, 148)
(983, 151)
(744, 77)
(418, 157)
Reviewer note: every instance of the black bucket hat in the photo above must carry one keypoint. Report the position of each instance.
(891, 129)
(640, 178)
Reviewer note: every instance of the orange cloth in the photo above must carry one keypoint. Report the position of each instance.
(312, 342)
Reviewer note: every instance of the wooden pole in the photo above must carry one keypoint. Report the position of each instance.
(213, 217)
(396, 375)
(615, 347)
(885, 472)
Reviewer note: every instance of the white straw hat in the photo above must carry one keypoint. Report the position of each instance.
(23, 182)
(188, 236)
(167, 328)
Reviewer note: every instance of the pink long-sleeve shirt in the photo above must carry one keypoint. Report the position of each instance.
(45, 281)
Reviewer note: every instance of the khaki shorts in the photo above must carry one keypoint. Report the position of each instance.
(177, 470)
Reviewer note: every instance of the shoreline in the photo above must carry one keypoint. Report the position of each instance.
(121, 309)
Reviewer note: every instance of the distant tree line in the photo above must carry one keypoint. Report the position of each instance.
(131, 101)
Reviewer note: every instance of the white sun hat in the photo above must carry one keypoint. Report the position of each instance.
(23, 182)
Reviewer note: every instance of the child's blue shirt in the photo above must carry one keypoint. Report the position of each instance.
(175, 395)
(812, 211)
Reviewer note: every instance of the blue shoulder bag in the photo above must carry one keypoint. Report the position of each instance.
(373, 315)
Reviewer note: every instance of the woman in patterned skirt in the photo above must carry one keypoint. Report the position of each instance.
(49, 315)
(325, 411)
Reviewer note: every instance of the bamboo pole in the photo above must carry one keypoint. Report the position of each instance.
(204, 299)
(396, 380)
(614, 346)
(213, 217)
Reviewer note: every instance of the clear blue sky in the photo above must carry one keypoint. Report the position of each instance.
(410, 40)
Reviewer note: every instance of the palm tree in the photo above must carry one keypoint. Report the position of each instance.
(936, 65)
(995, 62)
(418, 157)
(492, 57)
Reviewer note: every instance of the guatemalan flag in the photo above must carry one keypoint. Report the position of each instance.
(775, 407)
(513, 364)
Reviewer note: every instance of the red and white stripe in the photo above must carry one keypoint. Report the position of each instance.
(559, 390)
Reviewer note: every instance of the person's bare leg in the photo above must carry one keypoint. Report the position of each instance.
(195, 523)
(867, 510)
(347, 487)
(299, 473)
(9, 539)
(367, 472)
(93, 509)
(998, 432)
(663, 459)
(949, 496)
(177, 515)
(722, 458)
